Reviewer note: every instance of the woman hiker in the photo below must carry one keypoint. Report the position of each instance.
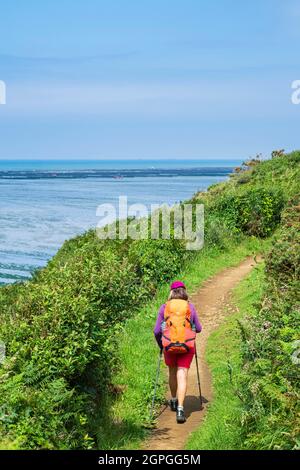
(175, 332)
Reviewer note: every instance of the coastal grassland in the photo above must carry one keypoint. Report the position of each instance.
(63, 384)
(270, 379)
(255, 377)
(221, 429)
(126, 417)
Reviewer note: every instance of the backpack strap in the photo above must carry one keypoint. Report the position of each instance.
(167, 311)
(188, 315)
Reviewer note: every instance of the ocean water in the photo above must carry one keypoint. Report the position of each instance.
(43, 203)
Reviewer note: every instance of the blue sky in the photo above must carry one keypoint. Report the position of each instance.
(148, 79)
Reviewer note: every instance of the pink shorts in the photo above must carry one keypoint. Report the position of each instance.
(179, 360)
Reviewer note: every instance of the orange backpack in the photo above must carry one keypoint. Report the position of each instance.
(178, 334)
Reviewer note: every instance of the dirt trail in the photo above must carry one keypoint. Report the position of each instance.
(212, 302)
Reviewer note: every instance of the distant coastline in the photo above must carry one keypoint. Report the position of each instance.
(113, 173)
(105, 164)
(43, 203)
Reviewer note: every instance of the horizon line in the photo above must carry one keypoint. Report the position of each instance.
(120, 159)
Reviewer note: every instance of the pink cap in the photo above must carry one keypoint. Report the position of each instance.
(176, 285)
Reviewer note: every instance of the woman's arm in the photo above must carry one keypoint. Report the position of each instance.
(195, 319)
(157, 328)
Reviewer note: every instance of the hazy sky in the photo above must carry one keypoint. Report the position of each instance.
(148, 79)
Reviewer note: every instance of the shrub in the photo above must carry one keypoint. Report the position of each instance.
(270, 380)
(62, 323)
(157, 261)
(61, 347)
(255, 212)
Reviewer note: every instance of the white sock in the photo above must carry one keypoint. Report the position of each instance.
(173, 398)
(180, 408)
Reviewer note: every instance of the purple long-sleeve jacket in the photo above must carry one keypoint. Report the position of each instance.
(160, 319)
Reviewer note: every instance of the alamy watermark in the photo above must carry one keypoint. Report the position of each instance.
(136, 221)
(296, 352)
(2, 352)
(2, 92)
(296, 93)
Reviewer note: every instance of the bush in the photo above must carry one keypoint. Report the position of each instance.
(61, 347)
(255, 212)
(157, 261)
(62, 324)
(270, 380)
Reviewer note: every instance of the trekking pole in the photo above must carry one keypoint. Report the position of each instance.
(198, 376)
(156, 382)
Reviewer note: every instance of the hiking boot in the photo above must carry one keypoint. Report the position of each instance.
(173, 404)
(180, 416)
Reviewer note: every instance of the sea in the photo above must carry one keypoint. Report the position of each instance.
(45, 202)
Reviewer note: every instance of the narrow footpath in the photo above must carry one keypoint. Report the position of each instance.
(212, 302)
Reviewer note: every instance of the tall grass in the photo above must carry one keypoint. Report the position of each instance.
(270, 379)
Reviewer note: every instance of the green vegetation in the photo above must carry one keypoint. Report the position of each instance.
(59, 330)
(260, 409)
(126, 416)
(270, 379)
(222, 429)
(79, 340)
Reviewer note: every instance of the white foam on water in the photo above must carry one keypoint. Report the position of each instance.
(38, 215)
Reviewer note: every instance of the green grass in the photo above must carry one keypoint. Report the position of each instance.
(123, 424)
(221, 427)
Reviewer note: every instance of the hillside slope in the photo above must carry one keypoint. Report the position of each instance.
(63, 329)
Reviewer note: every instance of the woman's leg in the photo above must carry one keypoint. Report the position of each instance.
(182, 373)
(173, 381)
